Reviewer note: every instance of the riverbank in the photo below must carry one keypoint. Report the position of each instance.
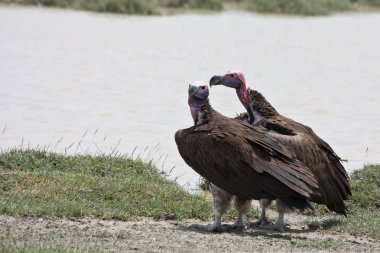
(148, 7)
(39, 183)
(51, 202)
(49, 234)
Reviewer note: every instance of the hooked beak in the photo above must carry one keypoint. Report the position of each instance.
(192, 90)
(215, 80)
(232, 83)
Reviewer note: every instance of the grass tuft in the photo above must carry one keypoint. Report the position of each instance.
(328, 244)
(39, 183)
(38, 249)
(305, 7)
(364, 206)
(365, 185)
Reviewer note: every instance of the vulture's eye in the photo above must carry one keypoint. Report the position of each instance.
(203, 87)
(232, 75)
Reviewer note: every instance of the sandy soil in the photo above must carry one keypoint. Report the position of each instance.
(147, 235)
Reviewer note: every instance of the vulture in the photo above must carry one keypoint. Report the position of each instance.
(240, 159)
(308, 147)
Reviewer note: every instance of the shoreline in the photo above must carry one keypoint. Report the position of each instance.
(51, 202)
(50, 234)
(224, 6)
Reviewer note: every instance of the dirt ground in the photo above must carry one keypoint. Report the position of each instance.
(147, 235)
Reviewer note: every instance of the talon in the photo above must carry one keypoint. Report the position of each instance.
(235, 227)
(215, 228)
(259, 222)
(276, 227)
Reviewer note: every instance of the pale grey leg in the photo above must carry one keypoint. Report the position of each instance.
(238, 224)
(222, 201)
(242, 206)
(239, 220)
(279, 225)
(217, 225)
(264, 203)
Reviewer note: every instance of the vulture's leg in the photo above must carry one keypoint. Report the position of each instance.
(242, 206)
(222, 201)
(279, 225)
(264, 203)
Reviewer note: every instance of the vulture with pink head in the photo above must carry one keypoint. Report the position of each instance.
(241, 159)
(308, 147)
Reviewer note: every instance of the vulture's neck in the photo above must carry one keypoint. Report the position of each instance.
(258, 107)
(201, 113)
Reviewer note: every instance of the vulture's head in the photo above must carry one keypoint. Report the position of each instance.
(198, 96)
(198, 93)
(233, 79)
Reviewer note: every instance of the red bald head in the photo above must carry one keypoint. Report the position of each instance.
(233, 79)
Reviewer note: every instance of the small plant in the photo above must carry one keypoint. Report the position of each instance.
(364, 211)
(203, 184)
(121, 235)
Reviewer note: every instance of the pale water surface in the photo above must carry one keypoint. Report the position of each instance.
(89, 82)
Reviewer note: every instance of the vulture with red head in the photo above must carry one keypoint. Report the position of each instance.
(308, 147)
(241, 159)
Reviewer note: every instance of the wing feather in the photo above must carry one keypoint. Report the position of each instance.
(318, 156)
(245, 161)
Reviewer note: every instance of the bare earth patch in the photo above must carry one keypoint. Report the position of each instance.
(148, 235)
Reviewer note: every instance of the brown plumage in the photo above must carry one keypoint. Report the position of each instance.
(242, 159)
(310, 149)
(314, 152)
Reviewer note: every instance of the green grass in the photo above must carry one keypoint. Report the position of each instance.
(327, 244)
(367, 2)
(39, 183)
(305, 7)
(38, 249)
(364, 206)
(148, 7)
(144, 7)
(365, 185)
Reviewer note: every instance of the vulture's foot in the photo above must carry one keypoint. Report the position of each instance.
(276, 227)
(259, 222)
(215, 228)
(235, 226)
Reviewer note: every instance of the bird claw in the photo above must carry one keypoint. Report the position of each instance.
(234, 227)
(215, 228)
(259, 222)
(275, 227)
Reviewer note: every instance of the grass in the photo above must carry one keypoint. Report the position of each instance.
(148, 7)
(38, 249)
(144, 7)
(305, 7)
(39, 183)
(327, 244)
(364, 206)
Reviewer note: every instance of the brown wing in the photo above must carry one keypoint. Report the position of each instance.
(318, 156)
(244, 161)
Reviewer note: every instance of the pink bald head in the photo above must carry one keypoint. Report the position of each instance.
(198, 96)
(233, 79)
(236, 75)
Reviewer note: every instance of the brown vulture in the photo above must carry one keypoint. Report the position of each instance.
(240, 159)
(308, 147)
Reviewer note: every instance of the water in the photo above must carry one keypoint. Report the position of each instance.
(84, 82)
